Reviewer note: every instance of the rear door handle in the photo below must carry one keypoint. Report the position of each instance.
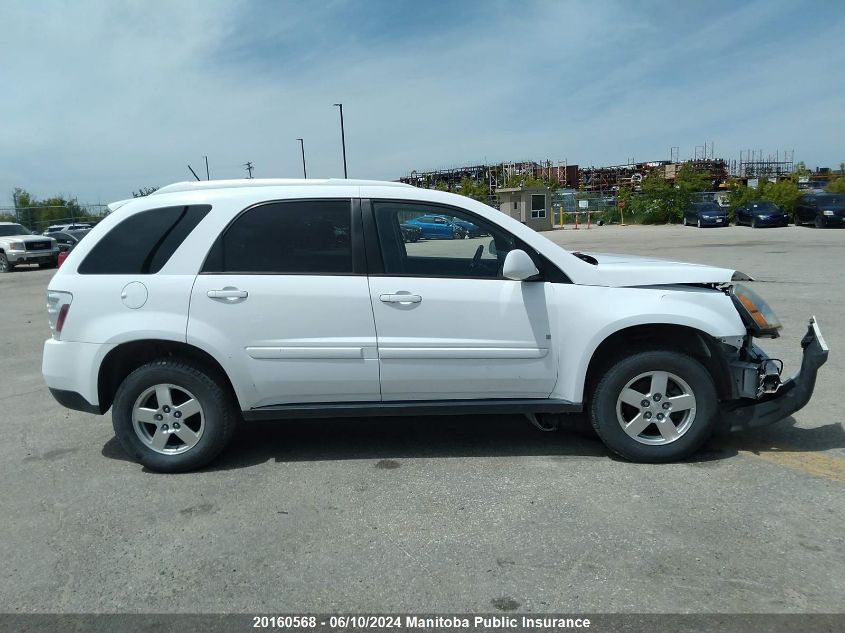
(400, 298)
(228, 293)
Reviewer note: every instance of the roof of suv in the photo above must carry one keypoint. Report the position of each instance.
(198, 185)
(251, 183)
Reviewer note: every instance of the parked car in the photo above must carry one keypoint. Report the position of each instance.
(813, 186)
(760, 213)
(19, 246)
(703, 214)
(470, 229)
(821, 210)
(208, 303)
(79, 226)
(410, 232)
(437, 227)
(66, 240)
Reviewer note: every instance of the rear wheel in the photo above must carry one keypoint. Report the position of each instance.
(657, 406)
(173, 416)
(51, 264)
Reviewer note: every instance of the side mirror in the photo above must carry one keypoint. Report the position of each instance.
(491, 247)
(519, 266)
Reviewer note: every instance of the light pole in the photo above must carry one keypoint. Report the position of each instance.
(302, 147)
(342, 138)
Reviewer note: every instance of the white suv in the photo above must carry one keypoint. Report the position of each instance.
(208, 303)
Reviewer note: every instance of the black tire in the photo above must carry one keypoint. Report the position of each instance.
(220, 415)
(819, 222)
(754, 224)
(698, 223)
(5, 267)
(603, 401)
(51, 264)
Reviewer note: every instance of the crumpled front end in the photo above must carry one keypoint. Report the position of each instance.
(762, 398)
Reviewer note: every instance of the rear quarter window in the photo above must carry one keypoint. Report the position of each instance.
(142, 243)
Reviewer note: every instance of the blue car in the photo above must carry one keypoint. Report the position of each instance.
(760, 213)
(705, 214)
(437, 227)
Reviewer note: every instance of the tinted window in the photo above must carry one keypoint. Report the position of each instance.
(440, 254)
(143, 242)
(12, 229)
(708, 206)
(302, 236)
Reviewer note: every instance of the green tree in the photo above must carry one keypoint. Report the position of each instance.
(836, 186)
(144, 191)
(784, 193)
(38, 214)
(661, 201)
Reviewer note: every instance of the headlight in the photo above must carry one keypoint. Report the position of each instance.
(763, 217)
(827, 212)
(17, 246)
(758, 317)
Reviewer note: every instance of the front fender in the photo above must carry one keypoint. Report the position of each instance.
(588, 315)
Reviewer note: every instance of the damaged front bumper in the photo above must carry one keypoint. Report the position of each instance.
(786, 398)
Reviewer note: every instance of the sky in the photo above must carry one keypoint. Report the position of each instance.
(102, 98)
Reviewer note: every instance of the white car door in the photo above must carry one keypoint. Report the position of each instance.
(449, 325)
(284, 302)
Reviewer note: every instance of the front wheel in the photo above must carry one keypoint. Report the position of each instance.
(754, 224)
(820, 223)
(4, 264)
(654, 407)
(173, 415)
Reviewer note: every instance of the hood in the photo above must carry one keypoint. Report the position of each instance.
(25, 238)
(632, 270)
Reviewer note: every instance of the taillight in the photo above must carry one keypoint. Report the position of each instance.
(58, 305)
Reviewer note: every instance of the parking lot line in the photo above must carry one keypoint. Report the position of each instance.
(810, 463)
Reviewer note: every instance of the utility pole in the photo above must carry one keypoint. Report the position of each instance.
(248, 166)
(207, 175)
(302, 147)
(342, 138)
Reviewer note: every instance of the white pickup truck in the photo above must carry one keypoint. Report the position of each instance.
(20, 246)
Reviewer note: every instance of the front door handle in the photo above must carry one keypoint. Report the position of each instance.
(400, 298)
(228, 293)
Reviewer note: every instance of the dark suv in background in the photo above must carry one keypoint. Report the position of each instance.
(821, 210)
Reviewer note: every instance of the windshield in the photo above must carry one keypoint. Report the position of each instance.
(78, 233)
(708, 207)
(830, 201)
(763, 206)
(12, 229)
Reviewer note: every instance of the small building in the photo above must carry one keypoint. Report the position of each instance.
(529, 205)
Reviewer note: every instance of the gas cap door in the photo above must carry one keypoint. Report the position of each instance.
(134, 295)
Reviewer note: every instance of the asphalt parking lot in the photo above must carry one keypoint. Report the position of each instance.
(443, 514)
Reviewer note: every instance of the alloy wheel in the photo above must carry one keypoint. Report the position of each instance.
(168, 419)
(656, 408)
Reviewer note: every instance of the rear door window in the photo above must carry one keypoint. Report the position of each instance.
(290, 237)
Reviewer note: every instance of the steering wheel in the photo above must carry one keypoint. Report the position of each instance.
(476, 259)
